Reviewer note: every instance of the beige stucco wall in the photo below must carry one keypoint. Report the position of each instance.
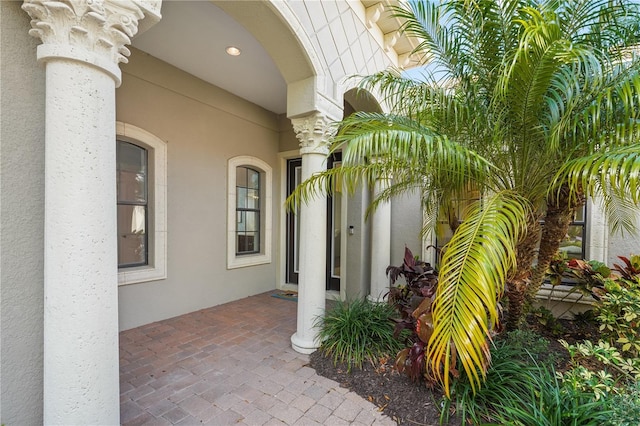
(21, 219)
(358, 264)
(203, 126)
(288, 139)
(622, 245)
(406, 223)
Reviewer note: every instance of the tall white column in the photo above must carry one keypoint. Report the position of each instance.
(380, 243)
(83, 42)
(314, 133)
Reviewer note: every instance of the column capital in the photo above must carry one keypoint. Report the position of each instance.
(91, 31)
(314, 132)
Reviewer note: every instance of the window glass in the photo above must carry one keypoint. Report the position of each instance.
(253, 178)
(247, 210)
(253, 199)
(131, 236)
(573, 243)
(241, 177)
(132, 190)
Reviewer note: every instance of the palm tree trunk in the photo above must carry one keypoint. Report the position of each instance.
(517, 286)
(560, 214)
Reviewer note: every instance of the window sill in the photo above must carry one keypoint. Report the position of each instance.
(140, 274)
(563, 293)
(248, 260)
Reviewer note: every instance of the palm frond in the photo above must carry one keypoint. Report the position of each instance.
(376, 145)
(622, 213)
(612, 173)
(407, 146)
(431, 204)
(475, 265)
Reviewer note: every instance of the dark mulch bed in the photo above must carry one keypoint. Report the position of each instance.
(406, 402)
(411, 403)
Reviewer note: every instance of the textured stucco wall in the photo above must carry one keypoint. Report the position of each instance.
(203, 126)
(623, 245)
(604, 245)
(358, 264)
(21, 219)
(406, 223)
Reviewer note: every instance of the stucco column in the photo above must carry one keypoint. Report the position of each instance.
(314, 133)
(380, 243)
(597, 238)
(83, 42)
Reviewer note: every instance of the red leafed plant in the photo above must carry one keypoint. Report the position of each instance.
(413, 301)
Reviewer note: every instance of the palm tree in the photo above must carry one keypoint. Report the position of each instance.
(524, 100)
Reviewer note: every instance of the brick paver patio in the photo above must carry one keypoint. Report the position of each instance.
(230, 365)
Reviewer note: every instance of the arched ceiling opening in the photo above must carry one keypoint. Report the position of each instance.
(360, 100)
(193, 36)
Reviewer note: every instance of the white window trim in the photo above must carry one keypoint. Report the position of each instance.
(240, 261)
(157, 148)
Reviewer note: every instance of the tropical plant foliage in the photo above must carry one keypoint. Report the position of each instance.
(358, 331)
(617, 298)
(413, 301)
(522, 389)
(533, 102)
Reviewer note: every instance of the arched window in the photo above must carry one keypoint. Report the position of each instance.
(141, 205)
(249, 211)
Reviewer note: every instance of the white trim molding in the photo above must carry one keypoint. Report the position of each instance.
(266, 227)
(157, 148)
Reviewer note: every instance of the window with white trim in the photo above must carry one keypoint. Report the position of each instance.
(249, 212)
(141, 175)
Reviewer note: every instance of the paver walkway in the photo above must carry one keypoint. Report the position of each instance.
(230, 365)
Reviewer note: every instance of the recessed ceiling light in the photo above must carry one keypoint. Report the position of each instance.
(233, 51)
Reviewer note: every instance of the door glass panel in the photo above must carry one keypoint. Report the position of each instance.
(296, 225)
(336, 214)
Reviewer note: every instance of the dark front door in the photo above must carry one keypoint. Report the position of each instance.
(334, 225)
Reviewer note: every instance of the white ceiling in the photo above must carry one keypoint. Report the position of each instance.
(193, 36)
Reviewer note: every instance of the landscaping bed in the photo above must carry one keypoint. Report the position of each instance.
(410, 403)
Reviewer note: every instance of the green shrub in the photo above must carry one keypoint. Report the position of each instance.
(526, 344)
(353, 332)
(617, 297)
(626, 369)
(549, 402)
(506, 377)
(619, 314)
(626, 407)
(521, 388)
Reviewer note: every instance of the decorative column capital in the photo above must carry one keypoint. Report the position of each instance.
(91, 31)
(314, 133)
